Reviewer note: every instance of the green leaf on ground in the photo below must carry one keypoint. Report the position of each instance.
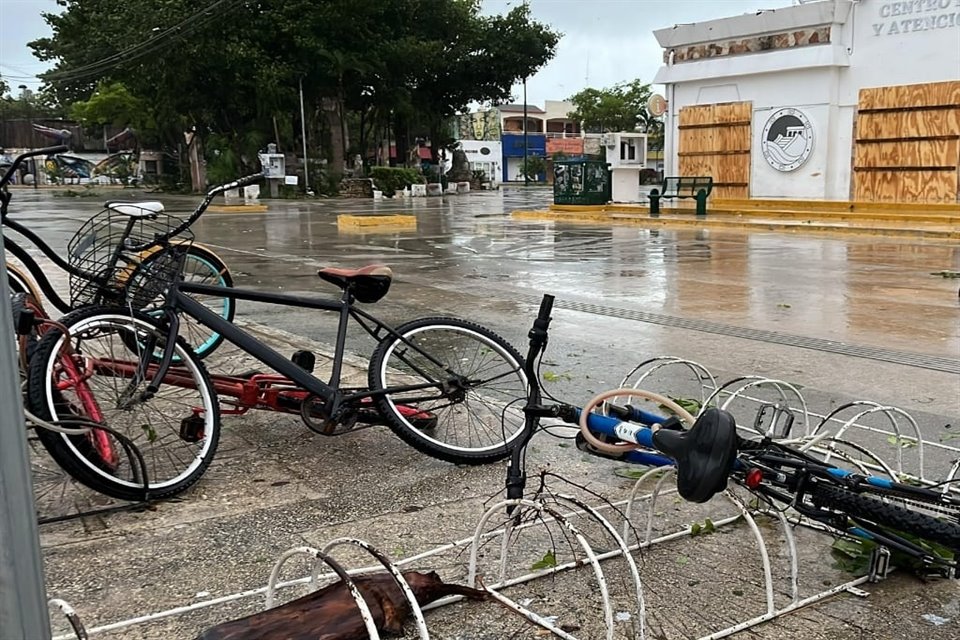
(946, 274)
(690, 405)
(550, 376)
(548, 561)
(698, 529)
(902, 442)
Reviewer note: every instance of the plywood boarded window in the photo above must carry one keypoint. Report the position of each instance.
(715, 142)
(908, 144)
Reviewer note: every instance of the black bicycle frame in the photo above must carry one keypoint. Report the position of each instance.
(177, 302)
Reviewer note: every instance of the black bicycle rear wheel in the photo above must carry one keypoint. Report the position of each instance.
(887, 514)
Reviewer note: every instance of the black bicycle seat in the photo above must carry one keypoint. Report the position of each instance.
(704, 454)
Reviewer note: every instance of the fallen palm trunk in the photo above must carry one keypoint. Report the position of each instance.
(332, 614)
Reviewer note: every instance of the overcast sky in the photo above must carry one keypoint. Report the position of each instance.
(604, 41)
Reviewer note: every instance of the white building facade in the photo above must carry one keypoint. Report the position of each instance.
(801, 70)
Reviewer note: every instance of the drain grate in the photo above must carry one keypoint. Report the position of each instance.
(923, 361)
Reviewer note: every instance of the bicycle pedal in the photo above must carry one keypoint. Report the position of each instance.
(304, 359)
(192, 429)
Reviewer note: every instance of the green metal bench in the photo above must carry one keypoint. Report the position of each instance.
(698, 188)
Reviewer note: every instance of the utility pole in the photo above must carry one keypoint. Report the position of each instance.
(23, 600)
(303, 129)
(526, 173)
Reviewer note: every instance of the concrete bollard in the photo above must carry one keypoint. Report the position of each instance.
(251, 194)
(463, 187)
(231, 197)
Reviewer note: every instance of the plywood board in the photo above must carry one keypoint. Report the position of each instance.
(715, 141)
(906, 186)
(911, 130)
(697, 115)
(730, 193)
(723, 169)
(911, 153)
(732, 112)
(902, 124)
(929, 94)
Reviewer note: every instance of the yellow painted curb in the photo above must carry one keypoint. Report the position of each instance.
(746, 225)
(943, 216)
(346, 220)
(237, 208)
(838, 205)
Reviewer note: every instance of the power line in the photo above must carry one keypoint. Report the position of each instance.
(153, 44)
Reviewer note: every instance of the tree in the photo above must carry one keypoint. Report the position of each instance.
(622, 107)
(533, 167)
(111, 104)
(400, 66)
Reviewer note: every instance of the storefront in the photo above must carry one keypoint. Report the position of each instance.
(513, 153)
(837, 100)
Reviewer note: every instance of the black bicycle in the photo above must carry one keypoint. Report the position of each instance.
(446, 386)
(112, 258)
(921, 522)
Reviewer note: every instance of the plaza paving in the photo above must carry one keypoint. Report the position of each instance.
(738, 302)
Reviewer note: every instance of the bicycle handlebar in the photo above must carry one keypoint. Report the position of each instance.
(46, 151)
(236, 184)
(516, 477)
(211, 194)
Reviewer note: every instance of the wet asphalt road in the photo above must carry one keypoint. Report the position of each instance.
(467, 257)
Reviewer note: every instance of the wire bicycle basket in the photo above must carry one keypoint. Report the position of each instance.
(125, 260)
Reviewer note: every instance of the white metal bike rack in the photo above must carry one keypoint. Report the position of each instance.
(567, 512)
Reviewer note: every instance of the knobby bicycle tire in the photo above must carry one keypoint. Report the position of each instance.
(77, 456)
(477, 426)
(888, 515)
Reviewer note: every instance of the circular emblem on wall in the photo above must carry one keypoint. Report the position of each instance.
(484, 151)
(787, 139)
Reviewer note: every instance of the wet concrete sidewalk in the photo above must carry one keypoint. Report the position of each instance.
(275, 485)
(624, 294)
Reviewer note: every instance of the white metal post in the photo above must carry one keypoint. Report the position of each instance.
(23, 608)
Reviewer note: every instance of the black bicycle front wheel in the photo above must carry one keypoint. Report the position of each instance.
(455, 389)
(887, 514)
